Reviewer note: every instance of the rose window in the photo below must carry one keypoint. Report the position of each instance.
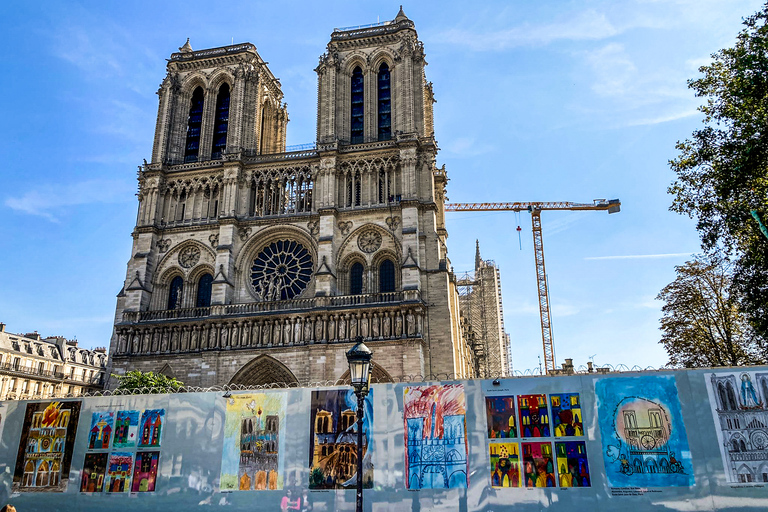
(281, 271)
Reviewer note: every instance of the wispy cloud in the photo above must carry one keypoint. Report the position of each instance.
(663, 118)
(47, 200)
(641, 256)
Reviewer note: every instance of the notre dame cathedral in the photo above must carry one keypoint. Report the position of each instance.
(255, 264)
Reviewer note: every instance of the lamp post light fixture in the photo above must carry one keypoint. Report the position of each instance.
(359, 359)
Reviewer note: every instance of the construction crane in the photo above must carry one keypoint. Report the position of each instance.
(535, 208)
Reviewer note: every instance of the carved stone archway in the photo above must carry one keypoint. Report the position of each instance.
(264, 370)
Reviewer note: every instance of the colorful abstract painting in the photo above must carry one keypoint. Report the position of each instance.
(500, 416)
(739, 403)
(151, 428)
(505, 464)
(566, 414)
(45, 447)
(94, 472)
(534, 417)
(102, 424)
(642, 431)
(126, 429)
(119, 472)
(572, 465)
(435, 436)
(145, 471)
(538, 466)
(254, 437)
(333, 440)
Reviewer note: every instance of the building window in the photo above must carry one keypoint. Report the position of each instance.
(356, 279)
(385, 104)
(16, 363)
(358, 108)
(174, 294)
(221, 122)
(194, 124)
(204, 291)
(387, 276)
(40, 368)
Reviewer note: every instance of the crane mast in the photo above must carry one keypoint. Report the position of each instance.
(535, 208)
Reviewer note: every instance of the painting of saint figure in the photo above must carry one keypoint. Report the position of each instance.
(101, 430)
(151, 428)
(145, 471)
(538, 465)
(500, 416)
(435, 436)
(534, 417)
(566, 414)
(119, 472)
(505, 464)
(126, 429)
(94, 472)
(333, 440)
(572, 465)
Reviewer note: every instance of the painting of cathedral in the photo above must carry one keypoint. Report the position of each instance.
(333, 440)
(739, 403)
(572, 465)
(500, 416)
(534, 417)
(119, 472)
(94, 472)
(642, 432)
(435, 437)
(254, 437)
(566, 414)
(45, 447)
(505, 464)
(126, 429)
(101, 430)
(145, 471)
(151, 428)
(538, 465)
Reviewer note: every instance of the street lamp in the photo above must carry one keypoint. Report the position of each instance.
(359, 359)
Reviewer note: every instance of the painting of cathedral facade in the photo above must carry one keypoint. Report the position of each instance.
(500, 415)
(534, 417)
(145, 471)
(151, 428)
(643, 435)
(739, 402)
(126, 429)
(94, 472)
(254, 433)
(435, 436)
(101, 430)
(566, 414)
(333, 440)
(45, 447)
(119, 472)
(572, 464)
(505, 464)
(538, 465)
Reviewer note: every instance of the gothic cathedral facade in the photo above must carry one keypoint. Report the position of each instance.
(254, 264)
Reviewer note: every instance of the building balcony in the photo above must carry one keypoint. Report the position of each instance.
(48, 375)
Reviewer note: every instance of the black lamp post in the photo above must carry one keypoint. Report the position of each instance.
(359, 358)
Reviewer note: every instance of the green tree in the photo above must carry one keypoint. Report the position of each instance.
(701, 323)
(722, 171)
(147, 382)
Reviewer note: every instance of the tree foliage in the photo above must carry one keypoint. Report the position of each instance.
(148, 382)
(701, 323)
(722, 171)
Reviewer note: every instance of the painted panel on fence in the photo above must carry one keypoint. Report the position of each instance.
(94, 472)
(739, 403)
(45, 448)
(145, 471)
(534, 416)
(572, 464)
(566, 414)
(126, 429)
(435, 436)
(119, 472)
(333, 440)
(252, 457)
(102, 425)
(500, 415)
(151, 428)
(538, 465)
(505, 464)
(642, 430)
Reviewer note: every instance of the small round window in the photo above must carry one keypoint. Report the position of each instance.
(281, 271)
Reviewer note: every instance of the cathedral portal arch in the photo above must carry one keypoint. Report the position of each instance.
(264, 370)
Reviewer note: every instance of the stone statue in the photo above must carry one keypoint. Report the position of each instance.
(410, 320)
(265, 334)
(398, 325)
(318, 329)
(332, 328)
(342, 328)
(364, 326)
(375, 326)
(224, 335)
(287, 329)
(307, 329)
(297, 331)
(276, 333)
(385, 326)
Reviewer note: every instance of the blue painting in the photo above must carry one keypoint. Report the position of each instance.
(126, 429)
(642, 431)
(151, 428)
(101, 430)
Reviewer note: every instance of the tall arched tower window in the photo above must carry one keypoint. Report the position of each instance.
(356, 279)
(175, 293)
(194, 123)
(358, 108)
(385, 104)
(221, 122)
(387, 276)
(204, 291)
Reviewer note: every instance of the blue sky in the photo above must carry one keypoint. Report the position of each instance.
(536, 101)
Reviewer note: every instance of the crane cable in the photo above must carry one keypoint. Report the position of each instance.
(519, 230)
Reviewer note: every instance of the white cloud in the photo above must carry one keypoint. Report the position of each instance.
(641, 256)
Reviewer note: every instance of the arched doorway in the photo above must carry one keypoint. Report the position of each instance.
(264, 370)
